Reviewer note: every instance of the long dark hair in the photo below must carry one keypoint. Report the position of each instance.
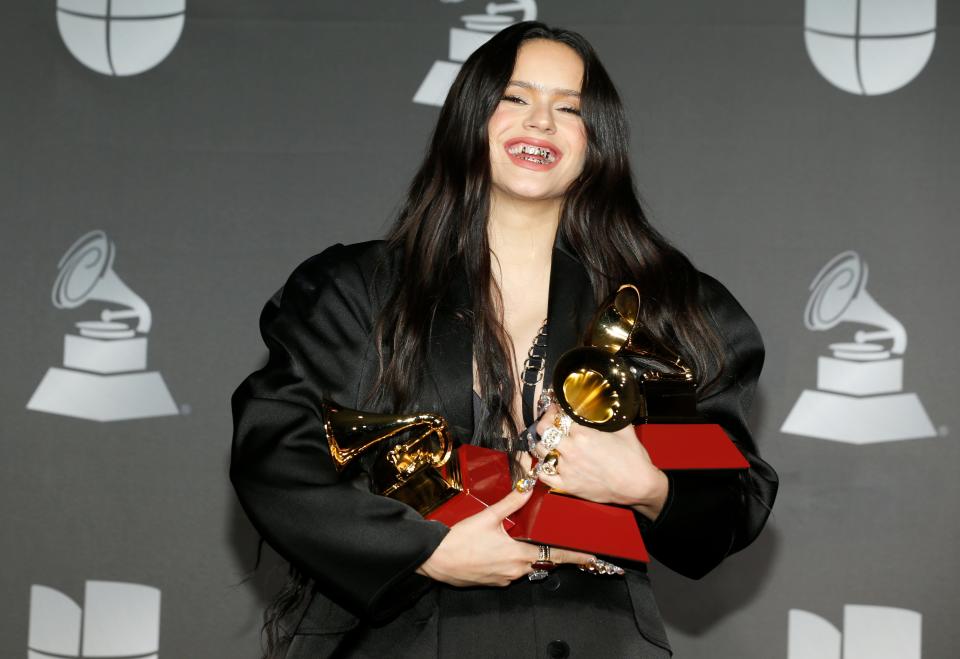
(440, 235)
(442, 226)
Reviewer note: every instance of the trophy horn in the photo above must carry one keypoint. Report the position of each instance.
(409, 469)
(604, 383)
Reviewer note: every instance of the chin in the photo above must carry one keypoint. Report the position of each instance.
(533, 195)
(531, 191)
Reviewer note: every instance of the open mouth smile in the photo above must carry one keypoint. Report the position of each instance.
(533, 154)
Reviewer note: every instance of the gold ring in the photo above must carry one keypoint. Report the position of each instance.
(550, 463)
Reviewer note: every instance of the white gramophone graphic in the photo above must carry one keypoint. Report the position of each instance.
(859, 397)
(104, 376)
(479, 28)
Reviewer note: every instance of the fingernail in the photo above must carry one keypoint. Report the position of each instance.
(525, 485)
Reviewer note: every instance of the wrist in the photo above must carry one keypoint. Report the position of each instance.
(651, 502)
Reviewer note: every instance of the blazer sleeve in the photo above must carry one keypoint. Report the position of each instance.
(710, 514)
(361, 549)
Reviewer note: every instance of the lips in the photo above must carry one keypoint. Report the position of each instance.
(532, 153)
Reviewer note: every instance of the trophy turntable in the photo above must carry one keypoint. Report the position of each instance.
(104, 376)
(859, 397)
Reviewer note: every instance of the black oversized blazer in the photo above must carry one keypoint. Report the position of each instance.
(360, 549)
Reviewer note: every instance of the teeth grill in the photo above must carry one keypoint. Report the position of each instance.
(541, 154)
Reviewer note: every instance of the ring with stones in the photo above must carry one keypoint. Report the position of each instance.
(538, 575)
(543, 561)
(562, 422)
(547, 399)
(598, 566)
(550, 463)
(542, 565)
(551, 437)
(525, 483)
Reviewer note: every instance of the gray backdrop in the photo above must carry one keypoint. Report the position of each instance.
(272, 130)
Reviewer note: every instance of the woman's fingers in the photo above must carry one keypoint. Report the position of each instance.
(569, 556)
(508, 505)
(526, 462)
(553, 482)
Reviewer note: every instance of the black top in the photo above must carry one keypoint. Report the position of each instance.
(361, 549)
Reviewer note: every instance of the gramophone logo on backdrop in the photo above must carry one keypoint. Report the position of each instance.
(859, 397)
(477, 30)
(869, 632)
(120, 37)
(104, 376)
(117, 621)
(870, 47)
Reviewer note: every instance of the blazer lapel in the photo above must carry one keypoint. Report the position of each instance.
(570, 307)
(450, 358)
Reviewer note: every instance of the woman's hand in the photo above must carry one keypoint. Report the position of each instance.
(478, 552)
(605, 467)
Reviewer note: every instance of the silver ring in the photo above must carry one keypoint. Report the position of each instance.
(598, 566)
(565, 422)
(538, 575)
(551, 437)
(546, 400)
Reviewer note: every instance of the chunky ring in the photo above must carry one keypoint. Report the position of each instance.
(562, 422)
(538, 575)
(551, 438)
(543, 564)
(598, 566)
(525, 483)
(546, 400)
(550, 463)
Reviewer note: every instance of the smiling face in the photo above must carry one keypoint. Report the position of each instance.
(537, 138)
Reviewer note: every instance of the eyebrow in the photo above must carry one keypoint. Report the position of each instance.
(530, 85)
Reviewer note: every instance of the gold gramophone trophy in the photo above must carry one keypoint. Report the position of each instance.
(417, 468)
(622, 375)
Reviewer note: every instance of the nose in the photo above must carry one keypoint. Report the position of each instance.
(540, 118)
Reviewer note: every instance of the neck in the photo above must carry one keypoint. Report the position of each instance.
(521, 233)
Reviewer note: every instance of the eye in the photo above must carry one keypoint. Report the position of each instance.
(517, 99)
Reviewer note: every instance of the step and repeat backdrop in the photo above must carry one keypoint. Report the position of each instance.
(166, 163)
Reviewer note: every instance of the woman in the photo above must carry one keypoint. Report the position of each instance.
(521, 219)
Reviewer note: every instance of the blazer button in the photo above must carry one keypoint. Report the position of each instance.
(558, 649)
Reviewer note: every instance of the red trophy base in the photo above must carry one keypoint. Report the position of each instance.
(690, 446)
(484, 479)
(560, 520)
